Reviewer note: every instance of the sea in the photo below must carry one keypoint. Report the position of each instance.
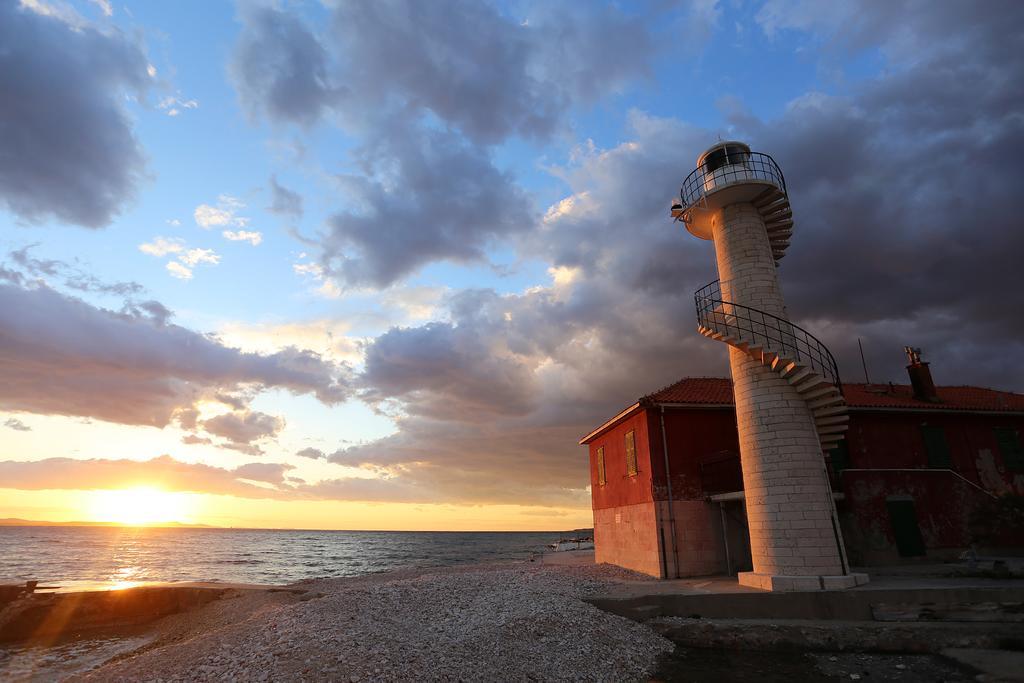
(81, 557)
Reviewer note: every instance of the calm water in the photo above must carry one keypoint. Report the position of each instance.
(70, 556)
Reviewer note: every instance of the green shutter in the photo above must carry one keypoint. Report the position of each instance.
(936, 447)
(840, 457)
(631, 453)
(1009, 447)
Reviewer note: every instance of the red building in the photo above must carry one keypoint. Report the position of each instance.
(913, 468)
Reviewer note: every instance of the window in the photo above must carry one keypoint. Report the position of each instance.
(840, 457)
(600, 466)
(631, 453)
(936, 447)
(725, 156)
(1009, 447)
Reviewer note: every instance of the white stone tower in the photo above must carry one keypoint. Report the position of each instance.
(789, 402)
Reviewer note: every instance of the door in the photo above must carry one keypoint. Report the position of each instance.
(904, 526)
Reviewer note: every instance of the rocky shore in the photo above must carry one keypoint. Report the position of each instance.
(516, 622)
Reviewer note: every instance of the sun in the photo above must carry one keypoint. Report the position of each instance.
(139, 506)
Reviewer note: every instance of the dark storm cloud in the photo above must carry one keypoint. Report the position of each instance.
(449, 371)
(906, 193)
(62, 356)
(519, 378)
(69, 152)
(279, 68)
(907, 231)
(426, 196)
(388, 71)
(488, 74)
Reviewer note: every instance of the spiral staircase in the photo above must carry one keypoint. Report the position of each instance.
(791, 351)
(773, 205)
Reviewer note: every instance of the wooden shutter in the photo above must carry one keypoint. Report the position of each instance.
(936, 447)
(600, 466)
(631, 453)
(839, 457)
(1009, 447)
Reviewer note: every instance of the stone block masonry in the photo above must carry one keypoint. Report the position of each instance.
(793, 541)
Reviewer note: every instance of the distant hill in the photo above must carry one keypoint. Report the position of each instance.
(14, 521)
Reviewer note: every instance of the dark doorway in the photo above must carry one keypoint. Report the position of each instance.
(904, 526)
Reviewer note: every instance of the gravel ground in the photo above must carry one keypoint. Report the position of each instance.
(482, 623)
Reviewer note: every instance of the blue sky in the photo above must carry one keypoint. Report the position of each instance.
(482, 258)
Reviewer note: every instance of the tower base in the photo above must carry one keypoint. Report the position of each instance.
(779, 583)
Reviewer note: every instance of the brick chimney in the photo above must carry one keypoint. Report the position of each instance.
(920, 377)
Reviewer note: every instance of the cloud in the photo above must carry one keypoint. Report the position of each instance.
(62, 356)
(71, 276)
(104, 6)
(268, 472)
(285, 202)
(17, 425)
(330, 339)
(429, 196)
(194, 257)
(187, 259)
(179, 270)
(253, 238)
(313, 453)
(173, 106)
(487, 73)
(55, 69)
(388, 72)
(905, 193)
(243, 427)
(163, 246)
(279, 68)
(223, 214)
(905, 198)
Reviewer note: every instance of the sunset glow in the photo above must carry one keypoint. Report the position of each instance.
(139, 506)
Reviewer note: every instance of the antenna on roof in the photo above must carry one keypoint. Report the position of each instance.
(863, 362)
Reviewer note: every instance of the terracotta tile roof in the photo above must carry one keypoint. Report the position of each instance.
(704, 390)
(718, 391)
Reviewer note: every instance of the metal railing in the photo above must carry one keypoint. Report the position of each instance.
(766, 330)
(747, 166)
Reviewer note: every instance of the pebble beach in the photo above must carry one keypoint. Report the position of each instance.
(511, 622)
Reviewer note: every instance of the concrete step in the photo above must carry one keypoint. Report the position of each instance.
(833, 429)
(812, 382)
(790, 368)
(839, 409)
(768, 197)
(825, 389)
(771, 202)
(832, 419)
(800, 375)
(780, 212)
(826, 401)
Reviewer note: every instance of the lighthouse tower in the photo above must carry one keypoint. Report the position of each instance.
(789, 401)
